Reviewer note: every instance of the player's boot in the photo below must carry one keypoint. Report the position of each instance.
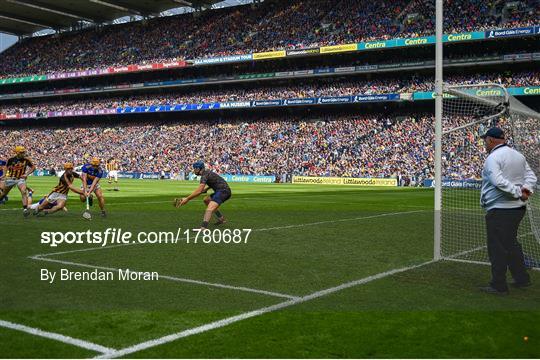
(103, 214)
(221, 221)
(26, 212)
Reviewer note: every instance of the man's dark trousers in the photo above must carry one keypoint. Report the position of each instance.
(503, 247)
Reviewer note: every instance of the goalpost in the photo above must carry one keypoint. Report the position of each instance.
(463, 113)
(438, 126)
(468, 111)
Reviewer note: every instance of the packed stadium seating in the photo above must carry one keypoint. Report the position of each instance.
(356, 146)
(328, 144)
(324, 88)
(270, 25)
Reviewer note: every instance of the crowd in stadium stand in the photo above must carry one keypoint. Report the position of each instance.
(270, 25)
(267, 92)
(353, 145)
(480, 15)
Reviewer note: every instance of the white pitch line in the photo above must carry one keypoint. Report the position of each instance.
(481, 247)
(173, 278)
(81, 250)
(478, 262)
(465, 252)
(251, 314)
(45, 257)
(340, 220)
(239, 288)
(467, 261)
(109, 353)
(58, 337)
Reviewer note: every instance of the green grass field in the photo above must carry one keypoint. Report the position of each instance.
(327, 271)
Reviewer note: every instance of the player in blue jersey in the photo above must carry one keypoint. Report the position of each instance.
(48, 205)
(91, 174)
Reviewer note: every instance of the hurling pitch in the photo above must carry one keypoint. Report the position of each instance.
(326, 271)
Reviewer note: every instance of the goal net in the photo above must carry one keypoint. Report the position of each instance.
(468, 111)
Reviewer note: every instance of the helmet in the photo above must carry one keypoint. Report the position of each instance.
(68, 166)
(19, 149)
(95, 161)
(199, 165)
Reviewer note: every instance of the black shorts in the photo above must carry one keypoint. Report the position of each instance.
(221, 196)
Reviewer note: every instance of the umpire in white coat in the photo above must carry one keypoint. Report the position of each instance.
(507, 183)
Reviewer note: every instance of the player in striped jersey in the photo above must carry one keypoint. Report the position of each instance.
(17, 170)
(112, 172)
(2, 172)
(56, 200)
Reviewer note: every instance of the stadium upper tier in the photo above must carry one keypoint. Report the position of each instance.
(270, 25)
(302, 89)
(271, 72)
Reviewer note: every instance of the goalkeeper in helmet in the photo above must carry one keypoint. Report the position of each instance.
(222, 193)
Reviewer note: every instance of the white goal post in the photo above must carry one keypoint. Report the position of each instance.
(468, 111)
(462, 114)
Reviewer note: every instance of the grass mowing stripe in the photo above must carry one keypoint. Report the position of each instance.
(172, 278)
(41, 256)
(285, 198)
(58, 337)
(254, 313)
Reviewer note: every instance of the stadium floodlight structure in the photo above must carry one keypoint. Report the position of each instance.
(463, 113)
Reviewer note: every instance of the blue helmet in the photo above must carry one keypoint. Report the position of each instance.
(199, 165)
